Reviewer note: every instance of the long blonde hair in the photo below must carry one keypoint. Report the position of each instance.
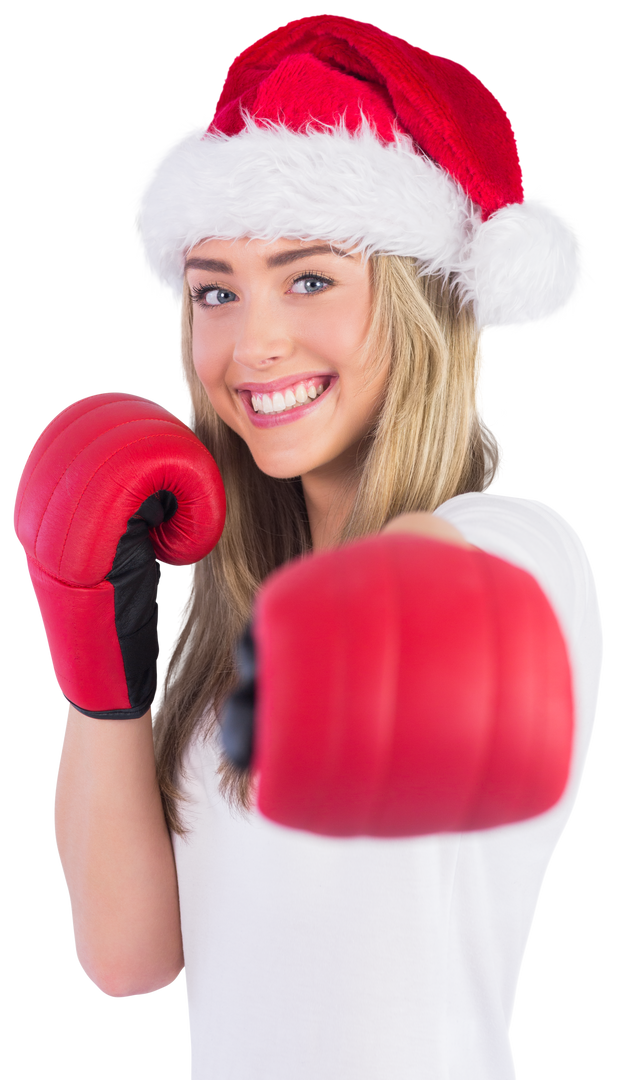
(427, 445)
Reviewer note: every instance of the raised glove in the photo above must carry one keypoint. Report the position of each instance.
(113, 482)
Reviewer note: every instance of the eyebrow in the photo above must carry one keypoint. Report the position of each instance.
(219, 266)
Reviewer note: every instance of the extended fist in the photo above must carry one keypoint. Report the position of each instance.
(404, 686)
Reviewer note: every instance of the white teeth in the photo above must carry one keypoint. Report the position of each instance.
(287, 399)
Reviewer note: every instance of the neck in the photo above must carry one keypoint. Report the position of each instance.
(329, 499)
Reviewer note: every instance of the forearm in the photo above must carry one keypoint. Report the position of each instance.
(117, 855)
(423, 524)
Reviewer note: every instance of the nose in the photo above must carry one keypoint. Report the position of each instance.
(263, 338)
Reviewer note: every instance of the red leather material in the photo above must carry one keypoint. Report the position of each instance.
(92, 468)
(89, 472)
(408, 687)
(81, 631)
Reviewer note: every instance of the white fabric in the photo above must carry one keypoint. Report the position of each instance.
(311, 958)
(351, 188)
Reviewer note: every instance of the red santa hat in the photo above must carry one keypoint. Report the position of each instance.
(331, 129)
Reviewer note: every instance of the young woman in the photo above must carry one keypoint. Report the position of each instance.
(350, 221)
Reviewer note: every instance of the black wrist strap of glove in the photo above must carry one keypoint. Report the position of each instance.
(135, 576)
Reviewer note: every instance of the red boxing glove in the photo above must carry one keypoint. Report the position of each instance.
(407, 686)
(113, 482)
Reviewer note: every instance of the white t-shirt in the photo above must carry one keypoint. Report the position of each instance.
(311, 958)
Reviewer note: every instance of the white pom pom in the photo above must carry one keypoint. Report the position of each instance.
(521, 264)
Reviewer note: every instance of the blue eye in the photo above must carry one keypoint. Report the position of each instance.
(216, 297)
(310, 284)
(212, 295)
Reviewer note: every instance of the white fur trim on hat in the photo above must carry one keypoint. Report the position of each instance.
(270, 183)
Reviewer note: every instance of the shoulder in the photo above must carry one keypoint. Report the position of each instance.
(522, 527)
(534, 537)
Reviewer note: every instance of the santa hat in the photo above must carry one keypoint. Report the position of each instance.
(331, 129)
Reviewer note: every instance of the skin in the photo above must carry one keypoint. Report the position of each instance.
(273, 310)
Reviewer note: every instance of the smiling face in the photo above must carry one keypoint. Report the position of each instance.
(278, 330)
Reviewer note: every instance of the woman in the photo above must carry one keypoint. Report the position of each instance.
(353, 478)
(308, 955)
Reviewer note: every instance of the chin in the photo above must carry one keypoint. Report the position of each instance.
(278, 472)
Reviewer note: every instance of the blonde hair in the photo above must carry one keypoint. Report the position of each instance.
(427, 445)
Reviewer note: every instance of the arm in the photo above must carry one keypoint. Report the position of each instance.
(117, 855)
(113, 482)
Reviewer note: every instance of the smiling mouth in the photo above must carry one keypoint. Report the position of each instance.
(291, 397)
(289, 404)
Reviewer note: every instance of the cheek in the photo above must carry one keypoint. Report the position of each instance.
(348, 328)
(336, 329)
(209, 357)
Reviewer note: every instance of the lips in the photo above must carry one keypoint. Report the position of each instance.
(282, 383)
